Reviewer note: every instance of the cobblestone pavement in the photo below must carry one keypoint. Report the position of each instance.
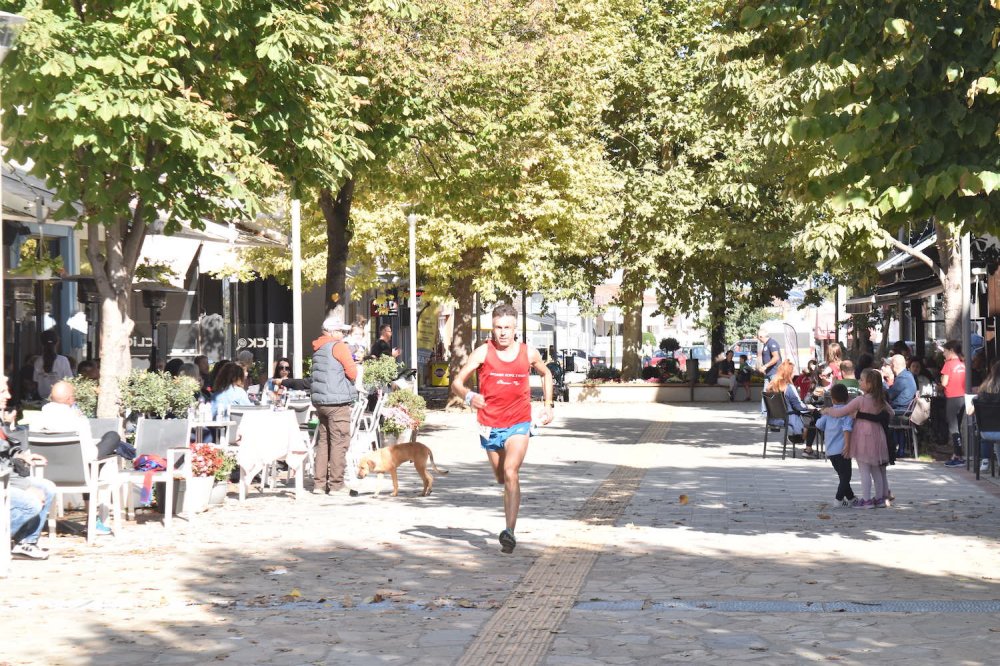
(648, 534)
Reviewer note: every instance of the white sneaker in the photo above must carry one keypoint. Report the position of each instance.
(29, 551)
(984, 465)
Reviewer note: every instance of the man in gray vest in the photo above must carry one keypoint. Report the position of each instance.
(333, 392)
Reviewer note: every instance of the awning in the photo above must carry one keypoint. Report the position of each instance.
(175, 251)
(860, 304)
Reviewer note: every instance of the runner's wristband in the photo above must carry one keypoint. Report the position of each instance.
(469, 396)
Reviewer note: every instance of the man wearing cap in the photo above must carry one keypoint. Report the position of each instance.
(333, 393)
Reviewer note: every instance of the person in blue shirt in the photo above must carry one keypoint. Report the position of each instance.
(900, 395)
(837, 435)
(768, 358)
(228, 389)
(904, 386)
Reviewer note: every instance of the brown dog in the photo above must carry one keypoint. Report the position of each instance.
(389, 458)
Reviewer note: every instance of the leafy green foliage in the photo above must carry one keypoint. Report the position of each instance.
(86, 395)
(669, 345)
(157, 394)
(379, 371)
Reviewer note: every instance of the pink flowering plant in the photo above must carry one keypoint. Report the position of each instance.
(206, 460)
(404, 410)
(397, 419)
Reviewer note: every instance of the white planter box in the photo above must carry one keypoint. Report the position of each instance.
(614, 392)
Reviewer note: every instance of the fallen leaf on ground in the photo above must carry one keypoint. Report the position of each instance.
(683, 499)
(824, 516)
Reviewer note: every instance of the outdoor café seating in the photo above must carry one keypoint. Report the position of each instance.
(987, 421)
(168, 439)
(70, 468)
(776, 421)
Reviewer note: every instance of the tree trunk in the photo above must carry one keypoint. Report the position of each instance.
(631, 335)
(950, 258)
(717, 319)
(114, 262)
(462, 333)
(337, 213)
(116, 359)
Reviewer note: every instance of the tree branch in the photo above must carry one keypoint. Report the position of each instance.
(916, 254)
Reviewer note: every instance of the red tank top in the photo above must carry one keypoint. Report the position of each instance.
(506, 389)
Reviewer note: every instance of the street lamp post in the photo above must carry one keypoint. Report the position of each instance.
(9, 25)
(411, 219)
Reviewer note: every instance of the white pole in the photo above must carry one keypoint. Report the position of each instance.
(297, 286)
(284, 339)
(270, 348)
(412, 219)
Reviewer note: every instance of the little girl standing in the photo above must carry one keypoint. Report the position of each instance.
(871, 414)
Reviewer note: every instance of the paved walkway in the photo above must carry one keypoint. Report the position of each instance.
(649, 534)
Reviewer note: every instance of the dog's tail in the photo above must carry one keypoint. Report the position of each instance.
(430, 454)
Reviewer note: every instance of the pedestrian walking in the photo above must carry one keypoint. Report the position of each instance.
(504, 407)
(953, 381)
(869, 443)
(333, 393)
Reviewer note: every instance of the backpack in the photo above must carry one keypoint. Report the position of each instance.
(150, 465)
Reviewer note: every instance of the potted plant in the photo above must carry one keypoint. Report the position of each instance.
(403, 413)
(34, 260)
(194, 492)
(157, 394)
(222, 475)
(379, 371)
(397, 424)
(86, 395)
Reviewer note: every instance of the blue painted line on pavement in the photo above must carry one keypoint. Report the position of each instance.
(746, 606)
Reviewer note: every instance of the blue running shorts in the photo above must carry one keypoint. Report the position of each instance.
(493, 439)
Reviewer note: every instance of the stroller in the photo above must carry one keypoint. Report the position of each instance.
(559, 389)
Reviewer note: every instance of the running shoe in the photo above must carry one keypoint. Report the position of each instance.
(955, 462)
(846, 503)
(882, 503)
(29, 551)
(101, 529)
(507, 541)
(863, 504)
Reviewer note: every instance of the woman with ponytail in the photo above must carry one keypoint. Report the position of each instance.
(51, 366)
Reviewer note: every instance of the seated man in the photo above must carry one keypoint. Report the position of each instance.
(723, 373)
(61, 414)
(30, 497)
(849, 379)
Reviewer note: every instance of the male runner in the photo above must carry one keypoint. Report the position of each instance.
(504, 404)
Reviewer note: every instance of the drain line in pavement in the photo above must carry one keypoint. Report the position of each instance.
(521, 631)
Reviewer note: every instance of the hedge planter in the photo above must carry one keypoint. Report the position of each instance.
(615, 392)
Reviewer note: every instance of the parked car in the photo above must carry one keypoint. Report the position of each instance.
(701, 354)
(575, 360)
(747, 347)
(657, 356)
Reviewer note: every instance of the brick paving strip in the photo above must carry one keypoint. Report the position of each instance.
(522, 630)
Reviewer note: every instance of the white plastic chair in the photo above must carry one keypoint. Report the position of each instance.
(69, 468)
(168, 439)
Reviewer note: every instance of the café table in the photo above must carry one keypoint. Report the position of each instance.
(265, 437)
(223, 426)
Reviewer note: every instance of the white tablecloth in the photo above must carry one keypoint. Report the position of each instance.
(264, 437)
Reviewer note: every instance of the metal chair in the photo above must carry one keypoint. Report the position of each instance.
(777, 421)
(987, 418)
(900, 422)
